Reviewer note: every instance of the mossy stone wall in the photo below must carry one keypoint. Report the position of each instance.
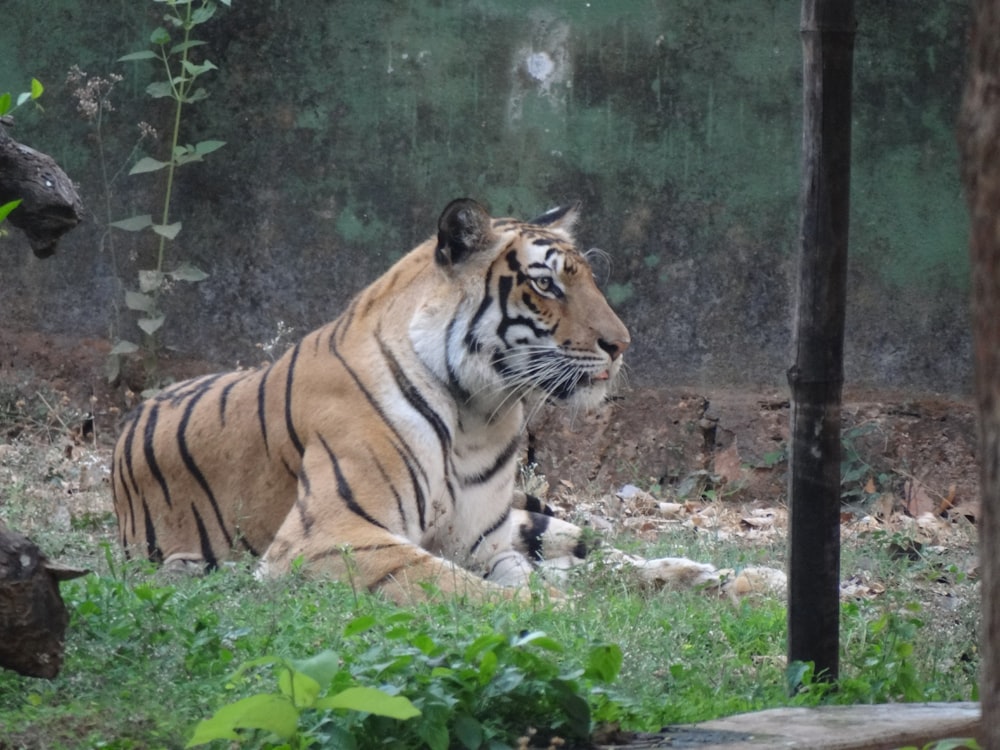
(350, 125)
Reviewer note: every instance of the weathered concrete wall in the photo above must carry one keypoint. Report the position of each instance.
(350, 125)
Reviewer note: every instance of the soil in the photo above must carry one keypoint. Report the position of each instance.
(909, 453)
(651, 459)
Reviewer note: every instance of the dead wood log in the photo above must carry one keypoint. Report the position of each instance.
(50, 205)
(33, 618)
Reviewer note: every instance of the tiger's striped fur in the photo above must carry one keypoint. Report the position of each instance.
(385, 441)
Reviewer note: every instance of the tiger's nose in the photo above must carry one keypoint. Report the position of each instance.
(615, 349)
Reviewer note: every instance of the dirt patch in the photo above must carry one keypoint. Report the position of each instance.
(916, 451)
(903, 452)
(68, 374)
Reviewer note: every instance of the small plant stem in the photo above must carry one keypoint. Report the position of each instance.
(108, 235)
(180, 93)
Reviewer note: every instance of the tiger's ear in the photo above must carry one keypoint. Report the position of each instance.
(563, 217)
(464, 228)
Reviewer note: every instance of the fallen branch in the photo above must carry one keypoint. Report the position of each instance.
(50, 205)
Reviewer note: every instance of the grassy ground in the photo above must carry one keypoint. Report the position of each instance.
(148, 658)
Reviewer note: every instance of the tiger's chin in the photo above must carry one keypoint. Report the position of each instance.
(589, 391)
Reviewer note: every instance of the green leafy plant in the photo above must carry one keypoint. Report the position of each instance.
(182, 75)
(8, 103)
(882, 657)
(858, 478)
(432, 691)
(300, 683)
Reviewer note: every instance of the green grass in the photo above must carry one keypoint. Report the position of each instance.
(148, 658)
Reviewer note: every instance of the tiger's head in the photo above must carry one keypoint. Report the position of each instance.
(531, 320)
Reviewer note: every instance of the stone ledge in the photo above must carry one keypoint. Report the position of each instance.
(878, 727)
(870, 727)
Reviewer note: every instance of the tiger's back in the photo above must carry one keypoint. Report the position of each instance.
(385, 440)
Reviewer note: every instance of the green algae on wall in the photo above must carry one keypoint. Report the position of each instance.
(350, 125)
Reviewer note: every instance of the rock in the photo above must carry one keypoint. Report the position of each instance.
(33, 617)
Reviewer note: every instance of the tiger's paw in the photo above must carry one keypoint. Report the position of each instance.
(754, 579)
(676, 573)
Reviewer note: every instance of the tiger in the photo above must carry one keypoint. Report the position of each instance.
(381, 448)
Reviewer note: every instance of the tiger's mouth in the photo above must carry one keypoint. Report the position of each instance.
(560, 378)
(584, 381)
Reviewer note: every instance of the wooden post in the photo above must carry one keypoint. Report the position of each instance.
(816, 378)
(979, 140)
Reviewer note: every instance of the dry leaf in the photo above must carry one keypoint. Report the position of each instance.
(759, 518)
(949, 501)
(916, 499)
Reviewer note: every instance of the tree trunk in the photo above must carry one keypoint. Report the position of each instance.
(50, 206)
(816, 378)
(979, 140)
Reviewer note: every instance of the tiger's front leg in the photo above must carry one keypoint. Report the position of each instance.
(358, 532)
(557, 546)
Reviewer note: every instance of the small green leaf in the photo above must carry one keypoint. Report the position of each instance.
(138, 301)
(160, 89)
(185, 45)
(359, 625)
(488, 667)
(197, 96)
(134, 223)
(203, 13)
(270, 712)
(160, 36)
(300, 688)
(797, 674)
(167, 230)
(370, 700)
(540, 639)
(469, 731)
(124, 347)
(5, 103)
(207, 147)
(36, 88)
(150, 281)
(147, 164)
(487, 642)
(186, 158)
(23, 97)
(604, 662)
(194, 70)
(322, 667)
(151, 325)
(112, 367)
(188, 272)
(144, 54)
(6, 208)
